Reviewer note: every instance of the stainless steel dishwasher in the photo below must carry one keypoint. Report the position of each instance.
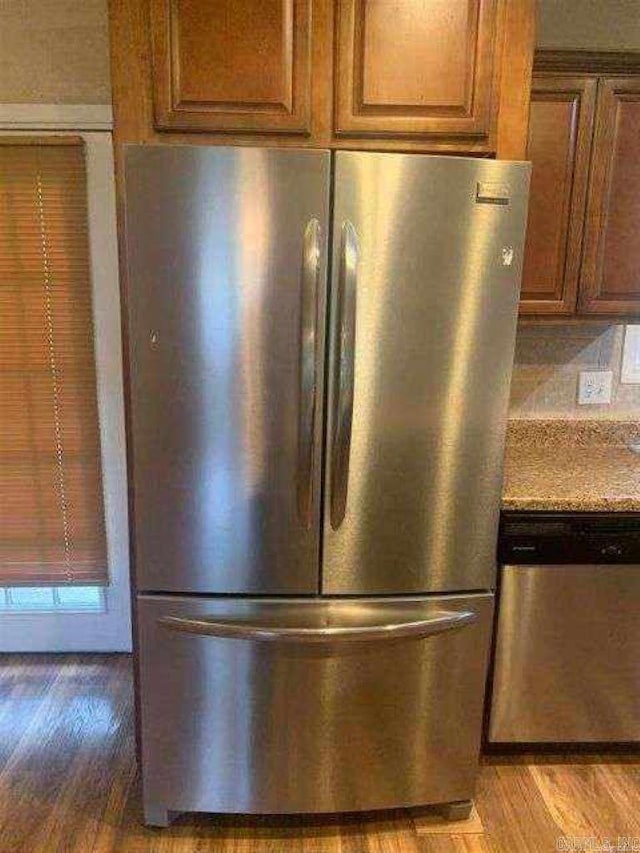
(567, 652)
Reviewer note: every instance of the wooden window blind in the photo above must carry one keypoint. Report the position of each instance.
(51, 505)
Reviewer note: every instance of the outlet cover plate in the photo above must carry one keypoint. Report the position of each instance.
(594, 387)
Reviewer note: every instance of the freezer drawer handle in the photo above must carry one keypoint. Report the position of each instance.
(308, 360)
(257, 632)
(344, 372)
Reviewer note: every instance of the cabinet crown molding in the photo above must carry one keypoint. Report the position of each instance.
(587, 61)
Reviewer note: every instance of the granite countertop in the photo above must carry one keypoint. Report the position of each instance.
(581, 465)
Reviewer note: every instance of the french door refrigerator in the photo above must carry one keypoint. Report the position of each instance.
(320, 349)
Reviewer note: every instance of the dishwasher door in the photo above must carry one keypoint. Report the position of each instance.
(567, 664)
(316, 705)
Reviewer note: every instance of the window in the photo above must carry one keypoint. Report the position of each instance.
(52, 528)
(51, 599)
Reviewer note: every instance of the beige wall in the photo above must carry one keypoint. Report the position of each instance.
(548, 361)
(54, 51)
(589, 24)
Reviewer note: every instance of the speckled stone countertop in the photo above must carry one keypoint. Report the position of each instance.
(581, 465)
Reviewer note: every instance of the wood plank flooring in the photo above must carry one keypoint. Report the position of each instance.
(68, 782)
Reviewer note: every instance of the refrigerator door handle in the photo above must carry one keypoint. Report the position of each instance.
(344, 372)
(256, 631)
(308, 359)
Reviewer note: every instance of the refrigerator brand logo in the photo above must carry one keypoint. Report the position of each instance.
(507, 256)
(490, 193)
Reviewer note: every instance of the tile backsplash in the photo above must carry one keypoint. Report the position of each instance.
(548, 361)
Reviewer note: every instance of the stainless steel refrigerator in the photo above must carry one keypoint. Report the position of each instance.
(320, 349)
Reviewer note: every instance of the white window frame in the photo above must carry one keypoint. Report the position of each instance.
(109, 630)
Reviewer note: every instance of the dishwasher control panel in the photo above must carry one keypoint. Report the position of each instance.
(537, 538)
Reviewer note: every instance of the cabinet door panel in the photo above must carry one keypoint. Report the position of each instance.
(232, 65)
(417, 68)
(611, 269)
(560, 128)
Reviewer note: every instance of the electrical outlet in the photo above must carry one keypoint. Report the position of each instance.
(594, 387)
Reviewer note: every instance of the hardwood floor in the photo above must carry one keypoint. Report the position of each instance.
(68, 782)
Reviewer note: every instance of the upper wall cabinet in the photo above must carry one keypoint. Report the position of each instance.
(232, 65)
(415, 69)
(410, 75)
(611, 265)
(560, 127)
(582, 252)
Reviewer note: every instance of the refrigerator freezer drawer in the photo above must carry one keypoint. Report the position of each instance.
(567, 663)
(316, 705)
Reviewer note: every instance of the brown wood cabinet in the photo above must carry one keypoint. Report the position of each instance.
(560, 128)
(611, 263)
(582, 254)
(232, 65)
(425, 75)
(419, 68)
